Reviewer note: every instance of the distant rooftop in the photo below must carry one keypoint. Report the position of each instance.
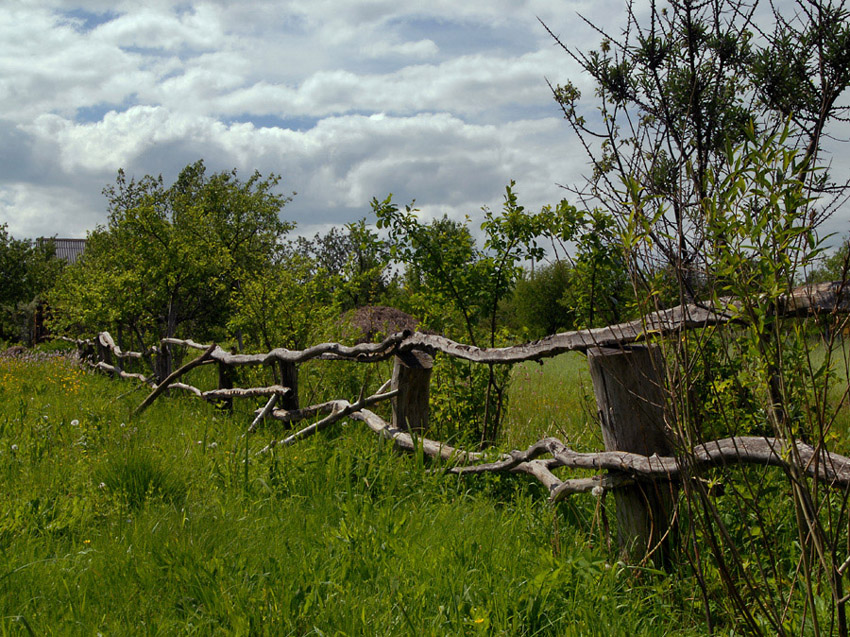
(66, 249)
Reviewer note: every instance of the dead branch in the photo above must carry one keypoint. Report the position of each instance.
(339, 409)
(263, 413)
(106, 340)
(203, 358)
(803, 301)
(251, 392)
(832, 468)
(189, 388)
(406, 441)
(111, 369)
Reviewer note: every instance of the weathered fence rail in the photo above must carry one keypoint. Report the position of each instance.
(641, 464)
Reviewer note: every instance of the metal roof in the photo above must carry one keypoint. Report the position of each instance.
(67, 249)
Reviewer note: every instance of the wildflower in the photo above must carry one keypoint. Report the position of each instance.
(75, 423)
(598, 491)
(213, 445)
(479, 620)
(14, 448)
(102, 485)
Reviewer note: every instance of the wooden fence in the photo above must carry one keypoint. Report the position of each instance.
(639, 464)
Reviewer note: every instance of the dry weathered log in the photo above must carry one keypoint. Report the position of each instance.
(189, 388)
(289, 378)
(805, 300)
(364, 352)
(250, 392)
(339, 409)
(111, 369)
(106, 340)
(407, 442)
(833, 469)
(602, 483)
(627, 384)
(515, 461)
(295, 415)
(263, 413)
(203, 358)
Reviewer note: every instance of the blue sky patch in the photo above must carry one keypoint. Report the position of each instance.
(85, 21)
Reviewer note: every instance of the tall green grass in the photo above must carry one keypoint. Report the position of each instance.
(157, 526)
(552, 398)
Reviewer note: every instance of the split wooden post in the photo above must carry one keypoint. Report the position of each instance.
(288, 378)
(630, 399)
(412, 379)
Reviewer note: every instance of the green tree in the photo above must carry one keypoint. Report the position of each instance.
(27, 270)
(287, 304)
(676, 89)
(356, 259)
(171, 257)
(536, 302)
(448, 275)
(835, 266)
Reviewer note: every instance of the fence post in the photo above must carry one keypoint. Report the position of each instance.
(630, 399)
(412, 378)
(103, 351)
(288, 378)
(225, 381)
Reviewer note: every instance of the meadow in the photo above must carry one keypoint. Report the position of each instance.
(171, 524)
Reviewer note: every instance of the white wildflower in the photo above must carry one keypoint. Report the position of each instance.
(14, 448)
(75, 423)
(598, 491)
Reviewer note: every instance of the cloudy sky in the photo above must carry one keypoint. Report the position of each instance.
(440, 101)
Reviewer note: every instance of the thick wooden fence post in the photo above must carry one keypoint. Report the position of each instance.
(103, 351)
(412, 379)
(225, 381)
(630, 398)
(288, 378)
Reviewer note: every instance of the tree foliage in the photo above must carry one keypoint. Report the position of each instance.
(27, 270)
(171, 256)
(457, 287)
(678, 87)
(356, 258)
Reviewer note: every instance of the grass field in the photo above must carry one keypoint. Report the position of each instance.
(158, 526)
